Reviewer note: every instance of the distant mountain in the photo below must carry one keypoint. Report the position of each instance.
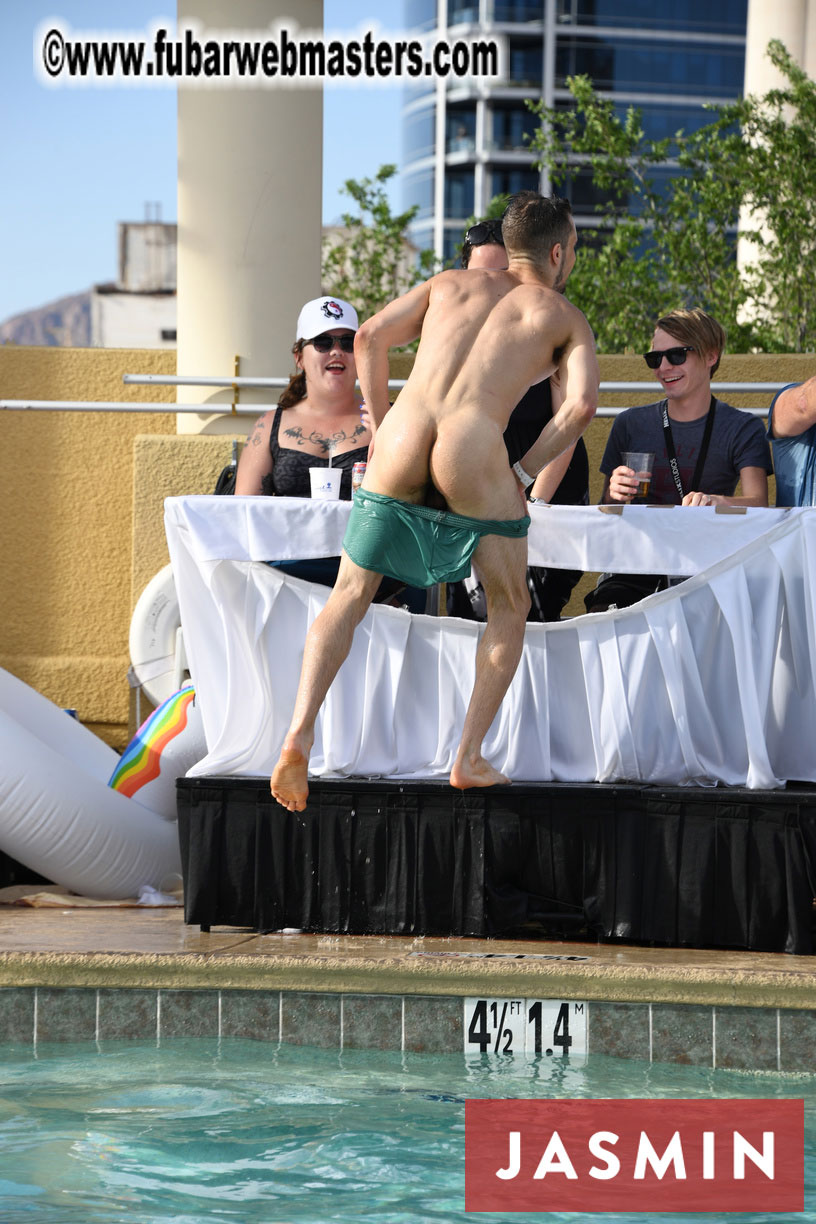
(66, 322)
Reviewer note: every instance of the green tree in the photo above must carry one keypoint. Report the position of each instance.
(372, 260)
(779, 198)
(659, 244)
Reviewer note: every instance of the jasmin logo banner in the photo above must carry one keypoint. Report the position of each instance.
(600, 1156)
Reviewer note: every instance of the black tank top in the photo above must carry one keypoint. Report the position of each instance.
(290, 467)
(527, 420)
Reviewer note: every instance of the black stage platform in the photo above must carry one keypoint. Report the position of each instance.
(719, 867)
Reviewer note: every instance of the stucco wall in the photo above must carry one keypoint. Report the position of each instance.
(82, 510)
(66, 502)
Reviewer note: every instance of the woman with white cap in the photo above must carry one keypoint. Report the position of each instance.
(318, 415)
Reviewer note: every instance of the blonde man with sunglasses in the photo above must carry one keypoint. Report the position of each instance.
(703, 448)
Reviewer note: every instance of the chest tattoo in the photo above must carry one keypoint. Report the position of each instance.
(325, 443)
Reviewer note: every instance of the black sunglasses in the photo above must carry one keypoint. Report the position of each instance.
(485, 231)
(325, 343)
(674, 356)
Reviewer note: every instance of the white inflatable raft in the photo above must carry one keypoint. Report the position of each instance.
(59, 812)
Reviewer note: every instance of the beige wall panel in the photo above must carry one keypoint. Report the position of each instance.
(167, 467)
(66, 503)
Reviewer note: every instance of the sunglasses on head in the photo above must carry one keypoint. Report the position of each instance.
(484, 231)
(325, 343)
(674, 356)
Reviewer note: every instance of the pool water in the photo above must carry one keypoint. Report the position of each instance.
(200, 1130)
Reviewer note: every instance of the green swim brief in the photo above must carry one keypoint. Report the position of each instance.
(416, 544)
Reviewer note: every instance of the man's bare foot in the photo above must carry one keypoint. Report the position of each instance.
(289, 782)
(476, 773)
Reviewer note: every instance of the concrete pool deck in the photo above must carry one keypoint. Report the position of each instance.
(98, 974)
(153, 948)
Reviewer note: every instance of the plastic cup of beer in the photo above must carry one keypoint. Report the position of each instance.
(325, 482)
(641, 463)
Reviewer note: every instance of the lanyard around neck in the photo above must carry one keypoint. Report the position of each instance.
(701, 457)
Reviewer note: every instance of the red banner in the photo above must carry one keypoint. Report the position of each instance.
(634, 1155)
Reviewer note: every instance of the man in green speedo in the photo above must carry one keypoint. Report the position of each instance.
(485, 337)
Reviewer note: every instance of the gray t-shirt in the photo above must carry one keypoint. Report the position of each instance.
(737, 441)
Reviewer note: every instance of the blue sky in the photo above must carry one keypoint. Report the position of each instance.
(77, 161)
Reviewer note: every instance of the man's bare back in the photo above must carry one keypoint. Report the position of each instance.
(485, 338)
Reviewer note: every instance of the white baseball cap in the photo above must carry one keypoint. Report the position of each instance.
(322, 314)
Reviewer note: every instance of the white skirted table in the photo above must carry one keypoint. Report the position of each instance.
(712, 681)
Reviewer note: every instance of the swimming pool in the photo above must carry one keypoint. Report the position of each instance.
(205, 1130)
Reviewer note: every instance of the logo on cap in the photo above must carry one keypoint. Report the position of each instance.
(332, 310)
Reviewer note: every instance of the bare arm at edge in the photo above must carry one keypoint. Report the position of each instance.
(795, 410)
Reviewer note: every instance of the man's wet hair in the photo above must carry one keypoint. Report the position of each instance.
(532, 224)
(697, 329)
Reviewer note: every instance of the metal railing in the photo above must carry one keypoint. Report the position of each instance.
(649, 390)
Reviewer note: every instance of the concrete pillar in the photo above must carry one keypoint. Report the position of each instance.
(793, 22)
(808, 60)
(250, 186)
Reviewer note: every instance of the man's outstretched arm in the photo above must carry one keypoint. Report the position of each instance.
(795, 410)
(399, 322)
(580, 377)
(546, 483)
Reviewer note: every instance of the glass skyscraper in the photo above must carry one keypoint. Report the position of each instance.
(464, 142)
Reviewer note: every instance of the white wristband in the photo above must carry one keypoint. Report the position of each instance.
(522, 475)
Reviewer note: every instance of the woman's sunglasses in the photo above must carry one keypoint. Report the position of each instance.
(485, 231)
(324, 343)
(674, 356)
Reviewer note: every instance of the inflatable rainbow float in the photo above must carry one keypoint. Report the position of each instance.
(74, 811)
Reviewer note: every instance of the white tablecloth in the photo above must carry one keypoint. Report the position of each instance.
(711, 681)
